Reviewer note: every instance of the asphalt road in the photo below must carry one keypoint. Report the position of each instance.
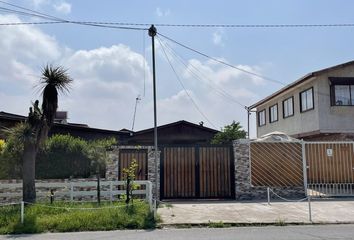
(244, 233)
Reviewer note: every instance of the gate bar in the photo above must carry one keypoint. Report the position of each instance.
(304, 165)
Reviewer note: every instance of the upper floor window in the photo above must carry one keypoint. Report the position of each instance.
(273, 113)
(306, 100)
(261, 118)
(288, 107)
(342, 91)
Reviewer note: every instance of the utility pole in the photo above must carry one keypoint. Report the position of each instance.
(137, 99)
(152, 34)
(248, 122)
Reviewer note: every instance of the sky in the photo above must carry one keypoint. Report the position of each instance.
(112, 67)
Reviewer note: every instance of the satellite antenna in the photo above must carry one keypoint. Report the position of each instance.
(137, 99)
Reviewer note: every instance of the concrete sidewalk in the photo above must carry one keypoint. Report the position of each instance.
(339, 211)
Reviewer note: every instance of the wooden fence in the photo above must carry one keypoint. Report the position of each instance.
(75, 191)
(276, 164)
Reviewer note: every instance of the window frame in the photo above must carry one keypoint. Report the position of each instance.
(341, 81)
(292, 99)
(313, 100)
(270, 113)
(265, 118)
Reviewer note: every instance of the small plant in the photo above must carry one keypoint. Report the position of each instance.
(280, 222)
(220, 224)
(2, 145)
(129, 175)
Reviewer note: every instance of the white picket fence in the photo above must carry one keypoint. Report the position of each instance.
(73, 190)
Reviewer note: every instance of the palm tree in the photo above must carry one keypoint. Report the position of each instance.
(54, 80)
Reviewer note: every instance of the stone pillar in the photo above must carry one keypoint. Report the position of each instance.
(242, 169)
(151, 172)
(112, 165)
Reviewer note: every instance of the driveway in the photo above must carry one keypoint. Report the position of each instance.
(257, 212)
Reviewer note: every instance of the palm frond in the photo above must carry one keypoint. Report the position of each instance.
(56, 77)
(21, 131)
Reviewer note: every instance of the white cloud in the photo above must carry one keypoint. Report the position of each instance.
(63, 7)
(218, 37)
(39, 3)
(162, 13)
(24, 48)
(108, 79)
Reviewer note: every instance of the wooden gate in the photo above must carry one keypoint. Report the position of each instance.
(197, 172)
(330, 168)
(126, 156)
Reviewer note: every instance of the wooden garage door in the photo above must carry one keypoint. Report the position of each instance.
(197, 172)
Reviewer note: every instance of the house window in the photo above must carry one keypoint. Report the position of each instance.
(261, 118)
(273, 113)
(288, 107)
(342, 91)
(306, 100)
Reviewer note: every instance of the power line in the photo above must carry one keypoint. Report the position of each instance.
(222, 62)
(55, 19)
(182, 85)
(219, 90)
(33, 11)
(232, 66)
(28, 23)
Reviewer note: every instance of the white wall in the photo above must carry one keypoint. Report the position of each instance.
(335, 118)
(299, 122)
(324, 117)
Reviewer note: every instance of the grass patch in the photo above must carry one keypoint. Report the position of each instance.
(280, 222)
(218, 225)
(55, 218)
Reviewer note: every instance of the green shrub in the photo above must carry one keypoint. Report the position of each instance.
(63, 156)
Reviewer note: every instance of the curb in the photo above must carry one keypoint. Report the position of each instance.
(246, 224)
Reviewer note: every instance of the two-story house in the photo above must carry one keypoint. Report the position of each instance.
(318, 106)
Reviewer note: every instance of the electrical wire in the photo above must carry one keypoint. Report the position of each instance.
(184, 88)
(112, 25)
(220, 61)
(144, 65)
(57, 20)
(33, 11)
(219, 90)
(234, 67)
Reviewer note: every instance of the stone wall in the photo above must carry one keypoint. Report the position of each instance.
(243, 187)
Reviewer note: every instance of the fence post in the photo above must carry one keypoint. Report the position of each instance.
(149, 194)
(304, 165)
(310, 211)
(110, 191)
(268, 195)
(71, 191)
(22, 212)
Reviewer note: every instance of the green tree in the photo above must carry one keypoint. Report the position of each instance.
(229, 133)
(98, 154)
(40, 120)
